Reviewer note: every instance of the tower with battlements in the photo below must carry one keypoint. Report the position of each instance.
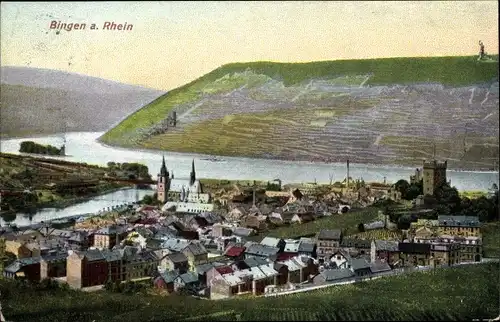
(434, 175)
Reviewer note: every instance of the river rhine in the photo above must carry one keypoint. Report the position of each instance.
(83, 147)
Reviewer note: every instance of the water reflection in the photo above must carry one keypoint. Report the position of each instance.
(93, 205)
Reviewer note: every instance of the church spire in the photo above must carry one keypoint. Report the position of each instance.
(163, 170)
(193, 174)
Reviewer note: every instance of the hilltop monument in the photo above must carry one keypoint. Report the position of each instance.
(481, 51)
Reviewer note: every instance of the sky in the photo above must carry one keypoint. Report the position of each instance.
(173, 43)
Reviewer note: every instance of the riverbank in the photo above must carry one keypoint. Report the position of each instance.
(88, 206)
(63, 203)
(84, 148)
(355, 160)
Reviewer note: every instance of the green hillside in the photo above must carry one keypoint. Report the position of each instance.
(444, 70)
(439, 295)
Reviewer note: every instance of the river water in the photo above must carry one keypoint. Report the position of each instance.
(93, 205)
(83, 147)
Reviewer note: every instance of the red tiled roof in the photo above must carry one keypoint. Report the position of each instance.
(285, 256)
(235, 251)
(224, 270)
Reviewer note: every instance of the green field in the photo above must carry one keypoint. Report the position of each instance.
(491, 239)
(348, 222)
(445, 70)
(438, 295)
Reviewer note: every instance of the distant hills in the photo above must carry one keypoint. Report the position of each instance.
(43, 101)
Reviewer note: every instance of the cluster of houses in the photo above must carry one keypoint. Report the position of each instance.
(214, 261)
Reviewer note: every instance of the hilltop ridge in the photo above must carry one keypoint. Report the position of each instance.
(329, 111)
(39, 101)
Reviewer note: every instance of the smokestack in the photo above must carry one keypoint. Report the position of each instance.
(347, 173)
(254, 192)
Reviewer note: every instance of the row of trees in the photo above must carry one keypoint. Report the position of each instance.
(137, 169)
(409, 191)
(32, 147)
(446, 200)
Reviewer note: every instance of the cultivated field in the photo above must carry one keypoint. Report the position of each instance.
(362, 114)
(491, 239)
(348, 222)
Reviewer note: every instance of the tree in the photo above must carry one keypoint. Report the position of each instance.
(361, 227)
(393, 216)
(402, 186)
(404, 222)
(148, 200)
(413, 191)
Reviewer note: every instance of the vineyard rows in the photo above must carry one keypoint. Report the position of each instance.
(371, 124)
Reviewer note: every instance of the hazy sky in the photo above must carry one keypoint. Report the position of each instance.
(172, 43)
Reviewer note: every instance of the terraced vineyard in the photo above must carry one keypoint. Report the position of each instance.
(382, 234)
(330, 118)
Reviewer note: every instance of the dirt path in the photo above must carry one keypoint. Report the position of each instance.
(377, 141)
(471, 95)
(236, 90)
(308, 87)
(364, 82)
(189, 111)
(485, 98)
(487, 116)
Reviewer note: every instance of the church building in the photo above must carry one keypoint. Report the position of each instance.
(175, 190)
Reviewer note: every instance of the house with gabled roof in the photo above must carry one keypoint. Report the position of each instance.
(273, 242)
(263, 275)
(257, 250)
(225, 286)
(108, 237)
(300, 268)
(356, 245)
(243, 232)
(379, 267)
(249, 263)
(414, 254)
(254, 222)
(217, 271)
(340, 259)
(176, 262)
(303, 217)
(95, 267)
(307, 247)
(235, 251)
(165, 280)
(175, 244)
(188, 281)
(360, 267)
(334, 276)
(28, 268)
(328, 241)
(385, 250)
(195, 253)
(459, 226)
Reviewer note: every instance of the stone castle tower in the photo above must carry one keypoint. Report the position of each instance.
(434, 175)
(163, 184)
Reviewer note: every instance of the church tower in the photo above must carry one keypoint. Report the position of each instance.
(193, 175)
(163, 184)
